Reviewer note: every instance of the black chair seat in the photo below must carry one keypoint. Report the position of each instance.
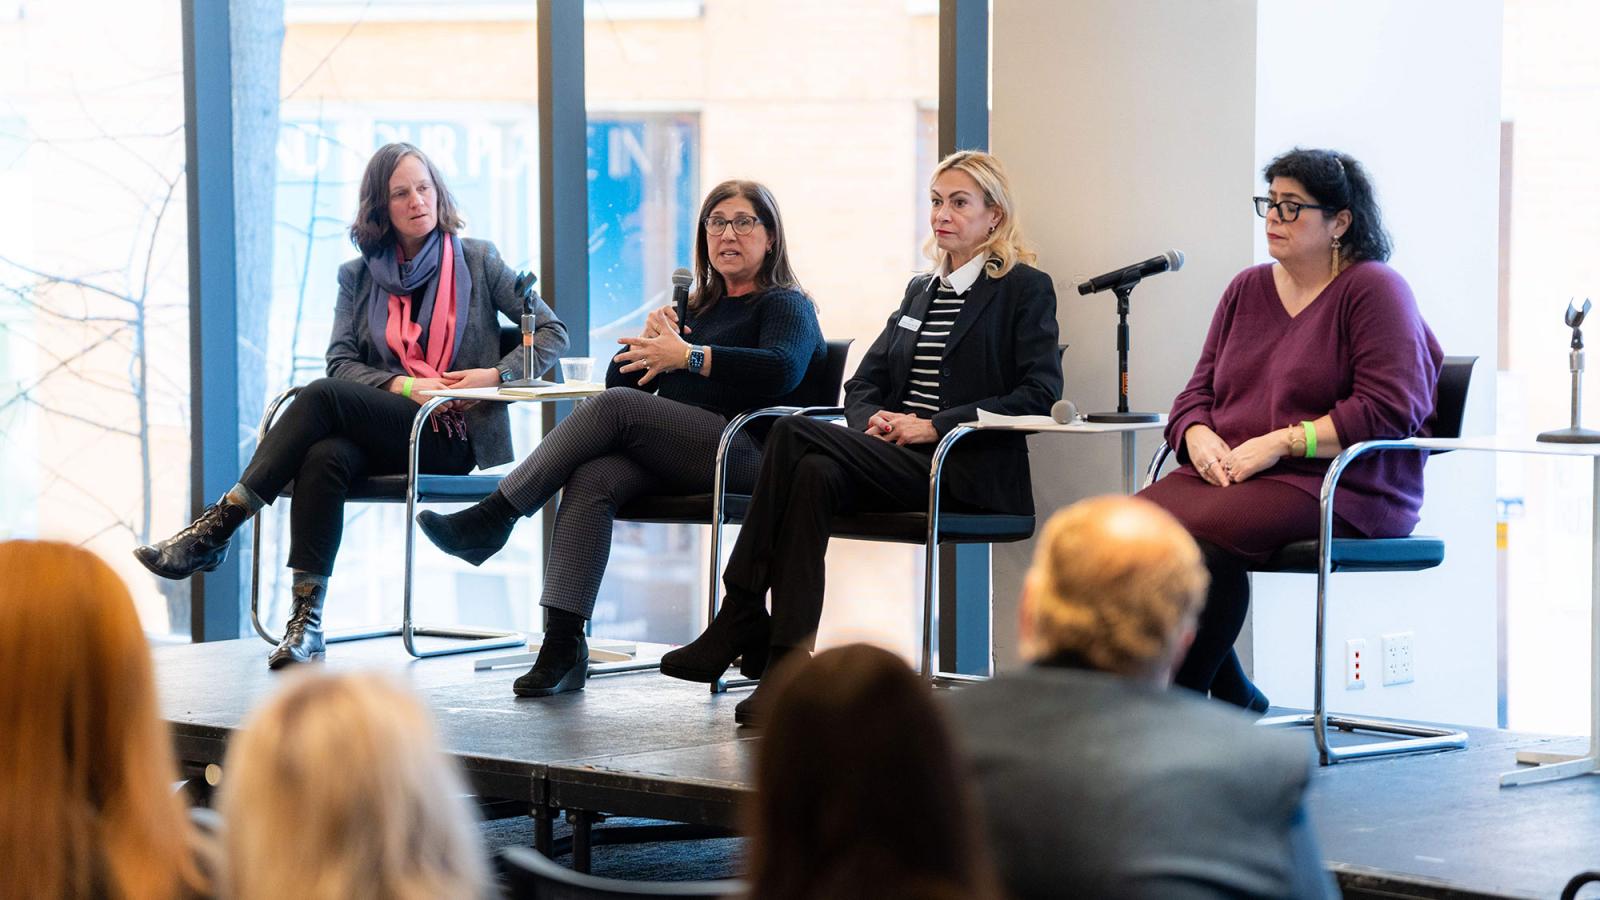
(689, 508)
(954, 528)
(436, 488)
(1407, 554)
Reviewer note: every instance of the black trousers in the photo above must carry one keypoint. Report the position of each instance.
(811, 471)
(335, 432)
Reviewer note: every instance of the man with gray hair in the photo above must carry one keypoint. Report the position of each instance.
(1098, 781)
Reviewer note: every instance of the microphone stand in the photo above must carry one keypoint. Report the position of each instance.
(524, 286)
(1122, 415)
(1577, 434)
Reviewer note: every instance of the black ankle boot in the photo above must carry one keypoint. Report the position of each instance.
(199, 547)
(753, 709)
(302, 637)
(562, 666)
(475, 533)
(742, 628)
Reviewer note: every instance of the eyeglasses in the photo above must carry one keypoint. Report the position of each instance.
(1288, 210)
(716, 225)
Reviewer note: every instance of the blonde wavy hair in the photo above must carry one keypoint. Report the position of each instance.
(1115, 583)
(336, 788)
(1005, 247)
(86, 765)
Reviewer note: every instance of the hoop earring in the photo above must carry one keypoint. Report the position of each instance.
(1336, 256)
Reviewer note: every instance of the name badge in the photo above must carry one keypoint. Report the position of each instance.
(910, 324)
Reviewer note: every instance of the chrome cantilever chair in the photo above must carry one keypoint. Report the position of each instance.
(411, 488)
(1328, 554)
(932, 528)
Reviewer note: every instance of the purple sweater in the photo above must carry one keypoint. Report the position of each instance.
(1359, 352)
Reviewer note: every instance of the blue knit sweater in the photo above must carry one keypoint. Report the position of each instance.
(762, 344)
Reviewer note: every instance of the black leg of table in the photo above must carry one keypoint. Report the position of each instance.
(544, 819)
(582, 823)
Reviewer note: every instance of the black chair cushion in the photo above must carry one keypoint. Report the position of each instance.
(954, 528)
(435, 488)
(692, 509)
(912, 528)
(1407, 554)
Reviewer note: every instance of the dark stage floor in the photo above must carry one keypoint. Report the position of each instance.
(643, 745)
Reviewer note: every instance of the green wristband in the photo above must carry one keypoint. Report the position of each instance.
(1311, 439)
(405, 387)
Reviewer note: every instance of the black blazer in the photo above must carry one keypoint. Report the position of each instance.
(1002, 355)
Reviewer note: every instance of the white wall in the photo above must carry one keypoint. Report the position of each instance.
(1133, 126)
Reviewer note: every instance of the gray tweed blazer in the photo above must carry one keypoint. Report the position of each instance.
(353, 349)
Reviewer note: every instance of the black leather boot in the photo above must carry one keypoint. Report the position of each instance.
(562, 666)
(199, 547)
(753, 709)
(302, 637)
(742, 628)
(475, 533)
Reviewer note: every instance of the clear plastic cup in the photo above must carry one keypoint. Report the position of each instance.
(576, 368)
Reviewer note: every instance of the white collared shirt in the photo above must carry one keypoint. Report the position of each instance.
(962, 279)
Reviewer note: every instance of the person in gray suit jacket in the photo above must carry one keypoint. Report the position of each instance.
(418, 311)
(1096, 779)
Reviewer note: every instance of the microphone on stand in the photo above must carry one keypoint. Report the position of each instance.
(523, 287)
(1122, 282)
(1170, 261)
(681, 279)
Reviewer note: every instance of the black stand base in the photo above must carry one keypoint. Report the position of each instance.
(1571, 436)
(527, 383)
(1122, 417)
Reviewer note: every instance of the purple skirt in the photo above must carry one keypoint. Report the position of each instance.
(1251, 519)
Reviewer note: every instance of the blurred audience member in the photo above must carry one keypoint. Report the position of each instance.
(336, 790)
(1100, 782)
(86, 765)
(858, 789)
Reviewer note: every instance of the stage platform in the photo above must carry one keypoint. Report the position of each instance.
(643, 745)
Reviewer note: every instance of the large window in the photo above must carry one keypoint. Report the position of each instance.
(1549, 231)
(94, 375)
(840, 125)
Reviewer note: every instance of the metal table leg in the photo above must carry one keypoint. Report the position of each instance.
(1556, 766)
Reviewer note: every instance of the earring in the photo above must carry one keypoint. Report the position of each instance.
(991, 229)
(1336, 259)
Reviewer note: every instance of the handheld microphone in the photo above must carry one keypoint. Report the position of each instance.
(681, 279)
(1170, 261)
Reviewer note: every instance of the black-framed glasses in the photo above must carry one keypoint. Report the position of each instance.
(1288, 210)
(716, 225)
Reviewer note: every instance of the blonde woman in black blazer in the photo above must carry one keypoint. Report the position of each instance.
(978, 332)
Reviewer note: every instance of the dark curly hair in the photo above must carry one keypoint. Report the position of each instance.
(1337, 179)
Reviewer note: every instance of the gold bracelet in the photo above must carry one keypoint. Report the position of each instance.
(1297, 440)
(688, 351)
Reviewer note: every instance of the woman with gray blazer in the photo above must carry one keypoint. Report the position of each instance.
(417, 312)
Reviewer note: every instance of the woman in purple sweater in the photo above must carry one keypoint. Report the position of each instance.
(1317, 351)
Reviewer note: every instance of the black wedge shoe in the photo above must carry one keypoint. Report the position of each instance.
(741, 629)
(302, 637)
(473, 534)
(200, 547)
(562, 666)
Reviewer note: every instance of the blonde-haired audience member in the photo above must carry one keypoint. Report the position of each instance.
(86, 766)
(336, 789)
(1097, 780)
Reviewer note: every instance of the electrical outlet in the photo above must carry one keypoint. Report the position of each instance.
(1397, 658)
(1355, 664)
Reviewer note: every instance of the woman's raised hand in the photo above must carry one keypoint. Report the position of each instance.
(656, 355)
(662, 321)
(1207, 452)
